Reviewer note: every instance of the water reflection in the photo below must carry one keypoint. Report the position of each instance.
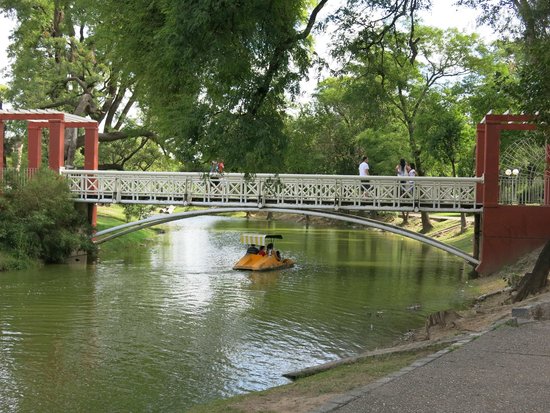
(172, 326)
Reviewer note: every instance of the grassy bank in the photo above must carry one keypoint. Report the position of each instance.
(111, 216)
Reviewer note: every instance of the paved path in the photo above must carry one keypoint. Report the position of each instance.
(506, 370)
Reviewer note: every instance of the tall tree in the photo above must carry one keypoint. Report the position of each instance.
(528, 22)
(327, 136)
(213, 73)
(58, 65)
(405, 69)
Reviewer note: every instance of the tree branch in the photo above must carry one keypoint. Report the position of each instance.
(277, 58)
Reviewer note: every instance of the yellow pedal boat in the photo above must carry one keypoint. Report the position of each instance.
(254, 260)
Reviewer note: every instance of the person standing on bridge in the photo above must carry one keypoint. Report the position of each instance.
(364, 171)
(402, 168)
(412, 172)
(214, 167)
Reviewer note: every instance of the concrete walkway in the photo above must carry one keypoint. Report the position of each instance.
(503, 370)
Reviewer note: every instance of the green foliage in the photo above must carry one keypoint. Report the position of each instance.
(138, 211)
(443, 132)
(212, 79)
(534, 79)
(213, 74)
(528, 24)
(345, 122)
(38, 220)
(493, 86)
(405, 69)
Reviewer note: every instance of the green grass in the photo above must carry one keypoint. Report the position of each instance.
(464, 241)
(108, 217)
(8, 262)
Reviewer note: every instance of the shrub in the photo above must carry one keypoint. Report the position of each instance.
(39, 220)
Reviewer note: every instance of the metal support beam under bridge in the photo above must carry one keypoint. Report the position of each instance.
(107, 234)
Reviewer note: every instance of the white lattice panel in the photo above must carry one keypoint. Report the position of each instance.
(303, 191)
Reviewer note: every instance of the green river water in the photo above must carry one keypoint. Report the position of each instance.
(163, 328)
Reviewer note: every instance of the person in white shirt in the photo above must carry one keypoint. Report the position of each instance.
(412, 172)
(364, 167)
(364, 171)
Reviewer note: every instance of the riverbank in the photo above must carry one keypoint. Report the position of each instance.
(488, 306)
(109, 216)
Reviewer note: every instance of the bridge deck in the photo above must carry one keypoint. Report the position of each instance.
(335, 192)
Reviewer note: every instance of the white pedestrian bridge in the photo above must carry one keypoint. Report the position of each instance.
(329, 196)
(296, 191)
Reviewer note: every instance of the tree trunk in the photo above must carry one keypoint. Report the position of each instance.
(71, 137)
(463, 222)
(426, 224)
(70, 146)
(534, 281)
(19, 151)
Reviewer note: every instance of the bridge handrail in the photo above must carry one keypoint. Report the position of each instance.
(350, 192)
(68, 172)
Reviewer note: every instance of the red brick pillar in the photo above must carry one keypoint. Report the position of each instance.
(57, 144)
(491, 163)
(35, 146)
(491, 246)
(547, 177)
(91, 162)
(2, 166)
(91, 148)
(480, 160)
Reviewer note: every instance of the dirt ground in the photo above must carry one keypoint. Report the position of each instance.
(491, 303)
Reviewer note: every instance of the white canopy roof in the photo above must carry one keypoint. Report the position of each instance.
(258, 239)
(44, 114)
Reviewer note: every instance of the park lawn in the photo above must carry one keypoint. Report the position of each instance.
(111, 216)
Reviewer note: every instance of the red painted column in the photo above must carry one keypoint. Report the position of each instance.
(57, 144)
(480, 160)
(2, 166)
(35, 146)
(491, 163)
(489, 250)
(91, 162)
(547, 177)
(91, 148)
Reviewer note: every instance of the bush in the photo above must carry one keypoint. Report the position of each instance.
(39, 220)
(138, 211)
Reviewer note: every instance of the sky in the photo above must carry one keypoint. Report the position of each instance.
(443, 14)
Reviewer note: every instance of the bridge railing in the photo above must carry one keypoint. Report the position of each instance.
(522, 190)
(12, 177)
(286, 190)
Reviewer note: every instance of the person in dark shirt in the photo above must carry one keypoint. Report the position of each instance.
(253, 249)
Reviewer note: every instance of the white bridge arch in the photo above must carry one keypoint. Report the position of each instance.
(105, 235)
